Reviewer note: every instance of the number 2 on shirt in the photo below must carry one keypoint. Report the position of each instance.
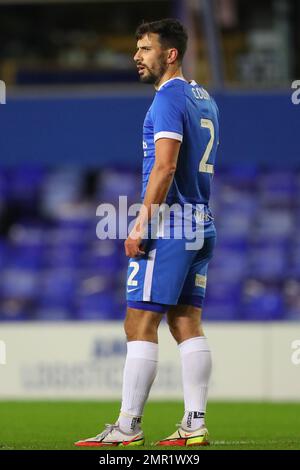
(204, 166)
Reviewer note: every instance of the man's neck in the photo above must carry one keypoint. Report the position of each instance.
(168, 76)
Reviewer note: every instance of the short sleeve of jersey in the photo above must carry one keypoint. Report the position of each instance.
(168, 113)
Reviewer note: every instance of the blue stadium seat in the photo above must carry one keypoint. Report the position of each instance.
(19, 283)
(58, 286)
(95, 306)
(262, 302)
(3, 253)
(52, 313)
(217, 310)
(278, 187)
(113, 183)
(61, 187)
(268, 263)
(15, 310)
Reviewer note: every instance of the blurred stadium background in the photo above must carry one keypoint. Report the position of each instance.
(70, 139)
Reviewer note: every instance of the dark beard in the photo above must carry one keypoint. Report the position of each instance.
(154, 78)
(150, 78)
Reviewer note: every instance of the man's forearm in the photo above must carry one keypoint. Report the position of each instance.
(158, 187)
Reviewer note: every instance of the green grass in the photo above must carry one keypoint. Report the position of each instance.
(56, 425)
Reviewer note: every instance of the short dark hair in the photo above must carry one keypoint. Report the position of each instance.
(171, 34)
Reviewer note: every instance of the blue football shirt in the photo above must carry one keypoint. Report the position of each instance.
(186, 112)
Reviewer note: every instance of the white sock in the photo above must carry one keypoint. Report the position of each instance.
(196, 369)
(139, 374)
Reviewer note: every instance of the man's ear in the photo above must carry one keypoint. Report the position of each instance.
(172, 56)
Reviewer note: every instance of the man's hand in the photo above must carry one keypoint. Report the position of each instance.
(133, 247)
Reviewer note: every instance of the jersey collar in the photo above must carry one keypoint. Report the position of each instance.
(170, 79)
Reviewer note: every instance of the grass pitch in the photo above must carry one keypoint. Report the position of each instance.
(56, 425)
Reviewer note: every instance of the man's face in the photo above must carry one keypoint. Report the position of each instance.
(150, 58)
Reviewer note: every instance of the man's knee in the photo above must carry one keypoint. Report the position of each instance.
(184, 323)
(141, 325)
(173, 327)
(178, 330)
(133, 326)
(129, 327)
(183, 330)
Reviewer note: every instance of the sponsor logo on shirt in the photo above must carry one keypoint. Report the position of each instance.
(200, 281)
